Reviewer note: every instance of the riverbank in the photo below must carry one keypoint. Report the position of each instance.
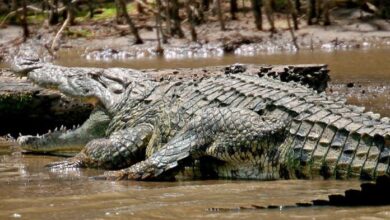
(106, 40)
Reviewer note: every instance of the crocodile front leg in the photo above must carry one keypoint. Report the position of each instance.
(121, 149)
(230, 129)
(163, 161)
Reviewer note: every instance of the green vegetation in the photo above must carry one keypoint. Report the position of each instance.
(77, 33)
(106, 11)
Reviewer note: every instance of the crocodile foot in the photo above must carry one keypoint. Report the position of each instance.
(141, 171)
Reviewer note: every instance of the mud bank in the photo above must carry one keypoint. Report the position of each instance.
(375, 97)
(107, 40)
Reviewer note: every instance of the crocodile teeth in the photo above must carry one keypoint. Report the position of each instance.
(62, 127)
(55, 129)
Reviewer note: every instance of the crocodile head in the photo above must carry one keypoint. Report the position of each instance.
(105, 88)
(94, 85)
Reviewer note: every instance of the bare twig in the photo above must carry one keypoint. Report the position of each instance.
(58, 35)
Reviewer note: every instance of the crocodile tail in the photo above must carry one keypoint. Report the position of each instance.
(336, 146)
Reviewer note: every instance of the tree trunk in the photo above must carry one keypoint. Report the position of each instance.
(119, 13)
(168, 22)
(270, 15)
(23, 19)
(159, 27)
(132, 27)
(298, 6)
(53, 15)
(191, 21)
(325, 12)
(290, 28)
(311, 12)
(198, 13)
(176, 27)
(159, 49)
(220, 15)
(256, 8)
(293, 12)
(233, 9)
(91, 8)
(206, 5)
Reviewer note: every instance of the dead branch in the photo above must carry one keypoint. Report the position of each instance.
(58, 35)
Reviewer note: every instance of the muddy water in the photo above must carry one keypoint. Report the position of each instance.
(30, 191)
(349, 65)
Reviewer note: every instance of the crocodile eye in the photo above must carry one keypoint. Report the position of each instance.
(117, 91)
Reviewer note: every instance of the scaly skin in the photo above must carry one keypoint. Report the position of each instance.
(243, 125)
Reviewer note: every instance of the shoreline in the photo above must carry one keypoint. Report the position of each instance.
(107, 40)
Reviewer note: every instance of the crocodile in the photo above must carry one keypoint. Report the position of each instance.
(243, 123)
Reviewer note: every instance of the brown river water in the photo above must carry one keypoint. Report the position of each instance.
(28, 190)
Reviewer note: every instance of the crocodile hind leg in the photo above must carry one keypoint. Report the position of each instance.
(121, 149)
(209, 126)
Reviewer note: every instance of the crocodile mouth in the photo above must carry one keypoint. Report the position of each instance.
(43, 143)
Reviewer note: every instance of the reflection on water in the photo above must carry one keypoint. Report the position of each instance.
(30, 191)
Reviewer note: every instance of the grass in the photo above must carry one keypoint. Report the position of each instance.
(77, 33)
(36, 18)
(109, 12)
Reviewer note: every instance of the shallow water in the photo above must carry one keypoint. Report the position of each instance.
(28, 190)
